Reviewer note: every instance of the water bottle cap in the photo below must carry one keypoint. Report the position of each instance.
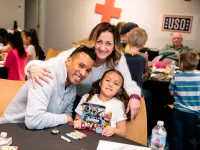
(4, 134)
(160, 123)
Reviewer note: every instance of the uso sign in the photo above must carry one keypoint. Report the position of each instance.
(177, 23)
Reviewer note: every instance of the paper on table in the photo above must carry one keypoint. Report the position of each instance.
(103, 145)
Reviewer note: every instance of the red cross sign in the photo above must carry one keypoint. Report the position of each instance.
(108, 10)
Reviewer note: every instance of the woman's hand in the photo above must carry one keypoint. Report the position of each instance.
(134, 107)
(108, 131)
(77, 124)
(38, 73)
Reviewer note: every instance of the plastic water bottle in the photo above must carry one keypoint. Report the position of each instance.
(4, 141)
(172, 67)
(158, 137)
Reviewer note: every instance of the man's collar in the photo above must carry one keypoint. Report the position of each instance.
(177, 48)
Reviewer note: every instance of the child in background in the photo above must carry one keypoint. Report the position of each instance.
(31, 42)
(4, 47)
(185, 88)
(138, 66)
(137, 62)
(17, 56)
(108, 91)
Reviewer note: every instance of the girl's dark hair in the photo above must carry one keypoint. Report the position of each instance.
(16, 40)
(35, 42)
(121, 96)
(3, 36)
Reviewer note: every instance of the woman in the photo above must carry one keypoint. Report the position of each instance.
(109, 56)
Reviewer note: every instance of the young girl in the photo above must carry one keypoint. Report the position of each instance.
(108, 91)
(31, 42)
(17, 56)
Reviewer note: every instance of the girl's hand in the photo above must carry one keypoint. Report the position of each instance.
(38, 73)
(108, 131)
(77, 124)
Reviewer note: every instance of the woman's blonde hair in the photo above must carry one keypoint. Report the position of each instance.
(137, 37)
(84, 42)
(115, 56)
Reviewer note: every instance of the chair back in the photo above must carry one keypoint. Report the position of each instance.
(8, 90)
(171, 106)
(51, 53)
(137, 129)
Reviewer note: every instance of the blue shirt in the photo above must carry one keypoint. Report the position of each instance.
(45, 106)
(187, 92)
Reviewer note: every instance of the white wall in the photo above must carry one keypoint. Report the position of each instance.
(31, 14)
(67, 21)
(11, 10)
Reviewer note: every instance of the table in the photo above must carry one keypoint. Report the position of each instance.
(161, 98)
(43, 139)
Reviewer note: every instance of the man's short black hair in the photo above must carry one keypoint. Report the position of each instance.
(89, 51)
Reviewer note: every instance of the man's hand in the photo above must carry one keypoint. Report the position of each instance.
(134, 107)
(69, 120)
(38, 73)
(77, 124)
(108, 131)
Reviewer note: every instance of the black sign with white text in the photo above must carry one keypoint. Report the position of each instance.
(177, 23)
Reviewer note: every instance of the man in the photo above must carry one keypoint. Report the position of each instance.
(51, 104)
(123, 34)
(171, 52)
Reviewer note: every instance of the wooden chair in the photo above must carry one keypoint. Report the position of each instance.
(170, 106)
(137, 129)
(51, 53)
(8, 90)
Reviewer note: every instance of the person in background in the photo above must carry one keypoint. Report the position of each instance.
(137, 62)
(4, 47)
(123, 34)
(109, 56)
(51, 105)
(198, 132)
(3, 36)
(171, 52)
(109, 92)
(119, 25)
(138, 66)
(16, 58)
(185, 88)
(31, 42)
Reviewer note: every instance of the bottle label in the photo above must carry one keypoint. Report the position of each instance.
(159, 139)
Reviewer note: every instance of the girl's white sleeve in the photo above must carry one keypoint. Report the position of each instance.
(61, 57)
(130, 86)
(121, 115)
(78, 109)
